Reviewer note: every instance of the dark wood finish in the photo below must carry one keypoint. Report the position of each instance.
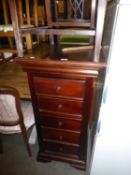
(62, 95)
(50, 86)
(60, 135)
(61, 123)
(93, 122)
(59, 105)
(61, 148)
(63, 86)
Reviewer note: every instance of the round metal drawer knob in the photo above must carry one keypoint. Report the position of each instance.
(60, 106)
(58, 88)
(60, 124)
(61, 137)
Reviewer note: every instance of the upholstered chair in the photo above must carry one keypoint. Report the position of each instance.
(16, 116)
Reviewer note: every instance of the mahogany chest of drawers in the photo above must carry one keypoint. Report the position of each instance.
(62, 94)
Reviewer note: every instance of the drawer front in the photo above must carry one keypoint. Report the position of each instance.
(59, 135)
(60, 148)
(60, 105)
(59, 87)
(61, 123)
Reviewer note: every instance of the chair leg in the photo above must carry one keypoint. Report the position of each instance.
(24, 133)
(1, 146)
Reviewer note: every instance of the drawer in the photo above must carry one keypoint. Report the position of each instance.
(60, 105)
(60, 148)
(61, 123)
(60, 87)
(60, 135)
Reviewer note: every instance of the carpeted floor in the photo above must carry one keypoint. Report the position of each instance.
(15, 161)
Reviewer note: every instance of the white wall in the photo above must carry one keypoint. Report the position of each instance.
(113, 146)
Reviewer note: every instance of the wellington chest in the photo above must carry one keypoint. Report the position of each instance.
(63, 93)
